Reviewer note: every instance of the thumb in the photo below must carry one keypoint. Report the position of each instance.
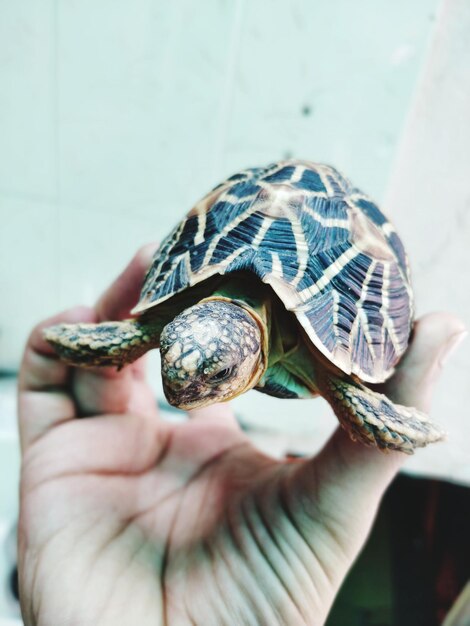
(346, 481)
(435, 336)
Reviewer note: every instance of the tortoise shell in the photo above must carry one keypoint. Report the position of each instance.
(324, 247)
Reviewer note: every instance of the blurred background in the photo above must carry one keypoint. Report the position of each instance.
(116, 116)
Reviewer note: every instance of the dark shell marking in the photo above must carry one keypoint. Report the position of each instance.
(325, 248)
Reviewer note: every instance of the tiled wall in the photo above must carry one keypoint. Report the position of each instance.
(116, 115)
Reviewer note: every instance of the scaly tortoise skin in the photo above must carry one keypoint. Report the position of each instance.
(285, 278)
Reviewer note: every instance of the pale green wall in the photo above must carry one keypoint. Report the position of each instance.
(116, 115)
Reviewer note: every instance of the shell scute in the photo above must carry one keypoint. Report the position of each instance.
(310, 180)
(244, 189)
(371, 210)
(325, 222)
(399, 250)
(282, 175)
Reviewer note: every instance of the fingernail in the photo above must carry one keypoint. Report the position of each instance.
(150, 248)
(451, 346)
(144, 254)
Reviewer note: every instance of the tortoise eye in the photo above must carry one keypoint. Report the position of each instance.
(221, 375)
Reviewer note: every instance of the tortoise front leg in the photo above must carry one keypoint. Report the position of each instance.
(374, 419)
(107, 343)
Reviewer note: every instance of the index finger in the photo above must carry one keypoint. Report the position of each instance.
(123, 294)
(40, 367)
(44, 380)
(115, 304)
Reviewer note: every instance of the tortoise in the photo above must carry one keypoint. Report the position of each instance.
(286, 279)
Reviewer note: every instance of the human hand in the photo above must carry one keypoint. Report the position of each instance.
(126, 519)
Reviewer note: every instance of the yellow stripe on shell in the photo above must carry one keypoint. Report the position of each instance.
(329, 273)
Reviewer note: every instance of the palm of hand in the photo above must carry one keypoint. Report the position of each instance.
(186, 523)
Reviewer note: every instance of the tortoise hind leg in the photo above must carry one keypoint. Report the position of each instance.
(107, 343)
(376, 420)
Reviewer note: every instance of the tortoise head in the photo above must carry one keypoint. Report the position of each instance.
(211, 352)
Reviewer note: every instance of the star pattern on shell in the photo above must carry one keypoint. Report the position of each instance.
(325, 248)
